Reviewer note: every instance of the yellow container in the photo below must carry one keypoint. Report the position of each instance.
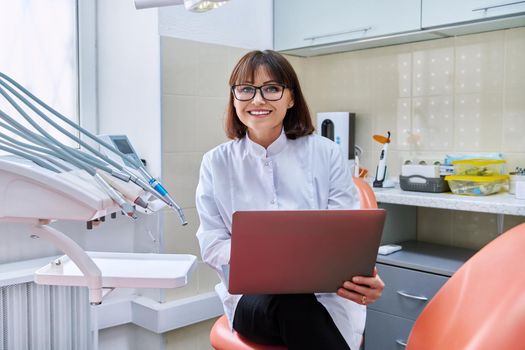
(480, 167)
(477, 185)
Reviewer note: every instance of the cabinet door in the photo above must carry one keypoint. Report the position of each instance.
(444, 12)
(299, 23)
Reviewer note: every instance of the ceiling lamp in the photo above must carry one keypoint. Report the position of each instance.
(190, 5)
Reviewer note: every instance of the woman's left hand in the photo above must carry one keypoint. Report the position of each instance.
(362, 290)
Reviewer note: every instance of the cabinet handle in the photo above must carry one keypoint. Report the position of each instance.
(365, 29)
(402, 343)
(486, 8)
(406, 295)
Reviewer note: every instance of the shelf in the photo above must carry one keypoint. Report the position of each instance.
(126, 270)
(501, 203)
(428, 257)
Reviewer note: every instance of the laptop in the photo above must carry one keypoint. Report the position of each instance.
(302, 251)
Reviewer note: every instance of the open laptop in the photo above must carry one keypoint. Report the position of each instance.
(302, 251)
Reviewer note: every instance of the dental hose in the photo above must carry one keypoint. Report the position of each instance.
(126, 208)
(154, 187)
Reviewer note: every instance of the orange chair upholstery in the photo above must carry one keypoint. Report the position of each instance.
(482, 306)
(222, 338)
(367, 198)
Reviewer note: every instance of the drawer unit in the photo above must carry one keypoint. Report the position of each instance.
(386, 332)
(406, 291)
(412, 277)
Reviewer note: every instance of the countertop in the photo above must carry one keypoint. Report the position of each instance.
(501, 203)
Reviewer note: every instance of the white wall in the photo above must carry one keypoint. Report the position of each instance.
(129, 89)
(239, 23)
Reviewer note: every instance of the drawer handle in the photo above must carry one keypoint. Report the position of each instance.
(365, 29)
(486, 8)
(410, 296)
(402, 343)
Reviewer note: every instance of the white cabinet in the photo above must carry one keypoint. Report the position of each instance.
(437, 13)
(312, 28)
(299, 23)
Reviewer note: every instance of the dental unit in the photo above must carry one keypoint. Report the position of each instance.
(44, 180)
(100, 161)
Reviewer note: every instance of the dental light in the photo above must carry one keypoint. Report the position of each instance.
(43, 149)
(190, 5)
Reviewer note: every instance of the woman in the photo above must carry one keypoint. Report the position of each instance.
(274, 161)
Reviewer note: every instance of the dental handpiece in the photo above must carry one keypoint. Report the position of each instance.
(166, 196)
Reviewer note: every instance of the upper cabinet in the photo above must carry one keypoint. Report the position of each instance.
(436, 13)
(310, 28)
(299, 23)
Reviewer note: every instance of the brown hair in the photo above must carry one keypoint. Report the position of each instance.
(297, 121)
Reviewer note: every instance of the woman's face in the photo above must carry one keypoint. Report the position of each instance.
(261, 116)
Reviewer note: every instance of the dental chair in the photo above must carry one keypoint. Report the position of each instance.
(222, 338)
(482, 306)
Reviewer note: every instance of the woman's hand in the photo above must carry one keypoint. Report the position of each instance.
(362, 290)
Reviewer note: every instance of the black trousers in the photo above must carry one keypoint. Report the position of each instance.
(298, 321)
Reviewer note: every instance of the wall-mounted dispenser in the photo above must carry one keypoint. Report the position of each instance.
(340, 128)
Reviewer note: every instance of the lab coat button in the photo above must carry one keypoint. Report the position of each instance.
(267, 163)
(273, 201)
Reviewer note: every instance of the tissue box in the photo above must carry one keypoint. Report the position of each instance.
(429, 171)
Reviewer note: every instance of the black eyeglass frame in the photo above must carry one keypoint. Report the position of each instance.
(260, 89)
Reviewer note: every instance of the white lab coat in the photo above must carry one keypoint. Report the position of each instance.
(306, 173)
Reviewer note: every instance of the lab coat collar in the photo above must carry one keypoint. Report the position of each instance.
(275, 147)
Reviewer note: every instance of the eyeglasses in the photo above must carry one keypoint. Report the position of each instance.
(270, 92)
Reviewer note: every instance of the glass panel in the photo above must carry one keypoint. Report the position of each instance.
(38, 49)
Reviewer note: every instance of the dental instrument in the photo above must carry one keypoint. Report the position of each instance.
(379, 180)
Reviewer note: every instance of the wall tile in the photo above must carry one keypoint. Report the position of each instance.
(181, 174)
(392, 113)
(208, 278)
(210, 122)
(180, 239)
(432, 123)
(433, 68)
(392, 70)
(514, 54)
(479, 62)
(212, 73)
(513, 121)
(473, 230)
(179, 66)
(478, 122)
(179, 123)
(435, 225)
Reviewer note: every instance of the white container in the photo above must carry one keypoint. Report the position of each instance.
(513, 180)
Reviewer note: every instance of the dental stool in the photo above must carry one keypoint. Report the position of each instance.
(222, 338)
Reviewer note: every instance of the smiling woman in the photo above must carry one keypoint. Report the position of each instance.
(275, 162)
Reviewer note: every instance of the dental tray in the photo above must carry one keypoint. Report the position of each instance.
(126, 270)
